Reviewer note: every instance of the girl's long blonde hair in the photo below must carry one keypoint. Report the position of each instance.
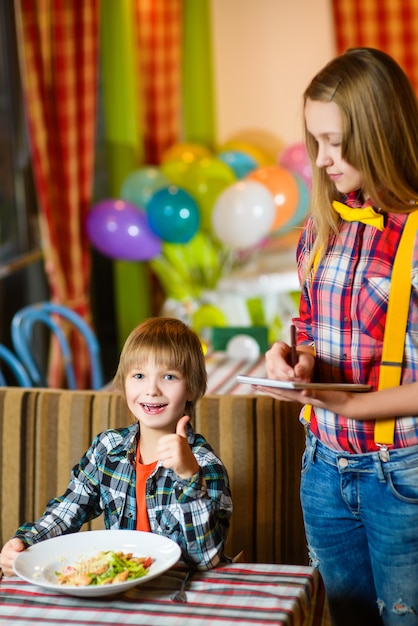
(379, 110)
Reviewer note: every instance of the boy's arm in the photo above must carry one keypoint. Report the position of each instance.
(206, 506)
(68, 512)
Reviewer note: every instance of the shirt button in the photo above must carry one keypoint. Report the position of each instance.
(346, 318)
(344, 357)
(343, 463)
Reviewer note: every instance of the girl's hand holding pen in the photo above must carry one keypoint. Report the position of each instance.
(293, 354)
(280, 358)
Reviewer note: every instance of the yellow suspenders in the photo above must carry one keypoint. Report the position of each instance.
(396, 320)
(395, 329)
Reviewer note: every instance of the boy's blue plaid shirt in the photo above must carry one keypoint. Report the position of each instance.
(195, 513)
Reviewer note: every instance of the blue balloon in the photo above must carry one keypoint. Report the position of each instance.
(240, 163)
(173, 215)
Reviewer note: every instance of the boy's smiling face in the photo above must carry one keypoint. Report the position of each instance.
(156, 395)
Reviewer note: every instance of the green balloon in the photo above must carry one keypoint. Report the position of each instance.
(206, 192)
(211, 167)
(141, 184)
(176, 171)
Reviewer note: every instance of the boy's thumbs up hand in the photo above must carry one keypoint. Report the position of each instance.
(174, 451)
(181, 426)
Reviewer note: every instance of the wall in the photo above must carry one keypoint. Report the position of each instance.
(265, 52)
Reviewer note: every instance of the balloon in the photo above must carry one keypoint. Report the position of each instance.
(284, 188)
(302, 208)
(240, 163)
(139, 186)
(301, 211)
(208, 168)
(243, 346)
(206, 316)
(173, 215)
(205, 193)
(187, 152)
(177, 172)
(267, 144)
(261, 157)
(243, 214)
(204, 179)
(295, 158)
(118, 230)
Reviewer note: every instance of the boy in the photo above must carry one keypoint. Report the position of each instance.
(156, 475)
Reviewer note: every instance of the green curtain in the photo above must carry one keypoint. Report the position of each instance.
(124, 145)
(197, 74)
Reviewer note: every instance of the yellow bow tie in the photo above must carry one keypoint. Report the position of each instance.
(367, 215)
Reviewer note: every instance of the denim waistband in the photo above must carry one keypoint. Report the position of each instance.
(345, 461)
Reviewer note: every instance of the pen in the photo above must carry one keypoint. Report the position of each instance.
(293, 354)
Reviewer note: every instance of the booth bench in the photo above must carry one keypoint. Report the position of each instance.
(44, 432)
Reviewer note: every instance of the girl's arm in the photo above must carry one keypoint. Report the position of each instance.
(393, 402)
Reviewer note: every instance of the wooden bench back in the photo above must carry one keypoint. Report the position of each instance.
(44, 432)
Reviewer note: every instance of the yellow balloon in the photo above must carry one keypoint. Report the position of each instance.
(207, 316)
(262, 158)
(187, 152)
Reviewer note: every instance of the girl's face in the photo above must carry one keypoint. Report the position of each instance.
(156, 395)
(324, 123)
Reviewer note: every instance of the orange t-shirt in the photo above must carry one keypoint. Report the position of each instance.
(142, 473)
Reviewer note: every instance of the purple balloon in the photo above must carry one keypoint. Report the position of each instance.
(117, 229)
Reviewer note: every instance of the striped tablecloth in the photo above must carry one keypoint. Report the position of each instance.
(240, 593)
(222, 371)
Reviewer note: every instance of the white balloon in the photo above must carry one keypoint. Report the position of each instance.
(243, 347)
(243, 213)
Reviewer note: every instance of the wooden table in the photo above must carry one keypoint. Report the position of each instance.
(240, 593)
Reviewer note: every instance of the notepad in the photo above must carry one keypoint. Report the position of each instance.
(290, 384)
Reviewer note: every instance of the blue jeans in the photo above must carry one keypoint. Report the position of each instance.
(361, 522)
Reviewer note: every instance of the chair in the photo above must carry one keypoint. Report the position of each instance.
(49, 314)
(15, 366)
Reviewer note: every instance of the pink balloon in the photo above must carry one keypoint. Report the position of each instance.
(117, 229)
(295, 158)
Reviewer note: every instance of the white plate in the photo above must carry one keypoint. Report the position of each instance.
(38, 564)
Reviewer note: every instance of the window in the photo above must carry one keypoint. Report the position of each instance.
(22, 276)
(19, 235)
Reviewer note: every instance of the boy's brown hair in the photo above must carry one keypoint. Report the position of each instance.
(169, 342)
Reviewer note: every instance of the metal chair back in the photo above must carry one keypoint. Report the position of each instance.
(8, 358)
(50, 315)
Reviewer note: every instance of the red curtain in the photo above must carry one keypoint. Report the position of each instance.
(158, 27)
(58, 48)
(390, 25)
